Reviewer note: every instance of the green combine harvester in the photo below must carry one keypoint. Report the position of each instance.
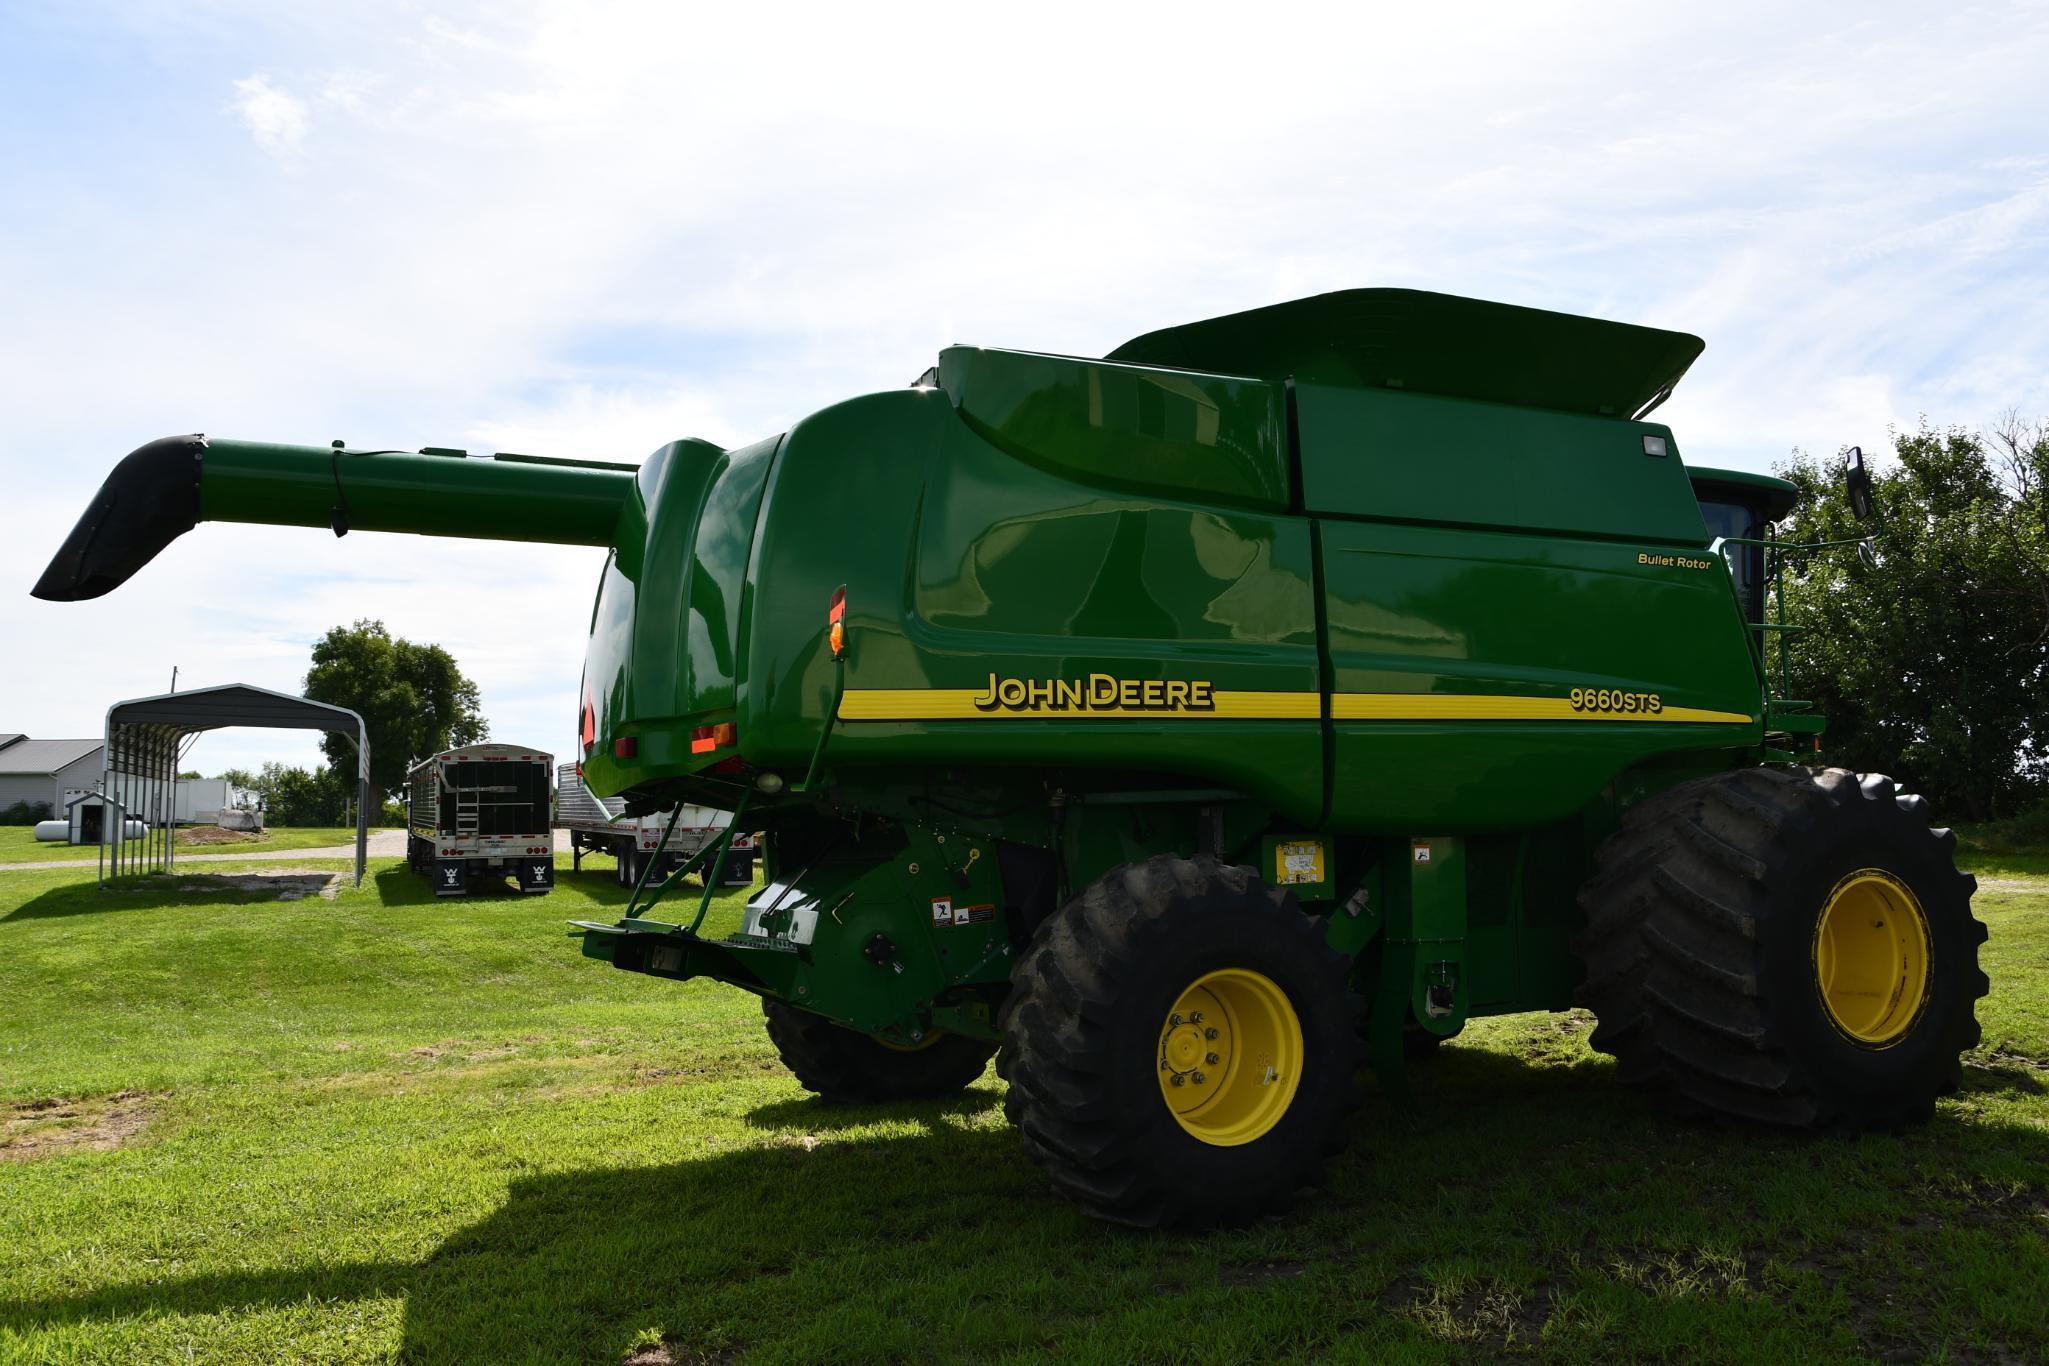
(1186, 727)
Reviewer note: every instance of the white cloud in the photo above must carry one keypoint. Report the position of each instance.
(275, 118)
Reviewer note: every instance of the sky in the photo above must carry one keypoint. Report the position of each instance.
(588, 229)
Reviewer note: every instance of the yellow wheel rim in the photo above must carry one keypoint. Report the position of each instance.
(1230, 1057)
(1871, 957)
(932, 1036)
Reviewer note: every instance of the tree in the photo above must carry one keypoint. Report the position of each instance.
(1930, 664)
(413, 699)
(299, 796)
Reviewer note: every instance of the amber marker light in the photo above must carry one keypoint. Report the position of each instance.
(836, 623)
(705, 739)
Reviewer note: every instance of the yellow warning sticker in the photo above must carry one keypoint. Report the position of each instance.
(1298, 862)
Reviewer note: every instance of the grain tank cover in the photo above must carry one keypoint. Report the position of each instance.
(1434, 344)
(1157, 432)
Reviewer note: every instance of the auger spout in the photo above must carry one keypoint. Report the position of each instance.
(162, 490)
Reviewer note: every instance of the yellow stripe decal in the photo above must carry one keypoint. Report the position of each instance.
(1424, 706)
(958, 704)
(969, 704)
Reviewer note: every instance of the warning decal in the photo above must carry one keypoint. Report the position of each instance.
(961, 915)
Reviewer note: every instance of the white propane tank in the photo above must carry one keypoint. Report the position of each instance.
(53, 830)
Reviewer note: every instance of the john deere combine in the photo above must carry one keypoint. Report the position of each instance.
(1182, 727)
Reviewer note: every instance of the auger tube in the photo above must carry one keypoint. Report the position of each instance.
(162, 490)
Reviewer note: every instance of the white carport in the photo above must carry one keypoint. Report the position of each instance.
(145, 735)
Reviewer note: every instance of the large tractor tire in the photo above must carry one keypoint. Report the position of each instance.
(1180, 1042)
(1793, 947)
(845, 1066)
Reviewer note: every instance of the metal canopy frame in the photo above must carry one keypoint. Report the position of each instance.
(139, 773)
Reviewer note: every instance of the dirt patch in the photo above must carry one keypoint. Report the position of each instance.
(280, 884)
(1493, 1319)
(45, 1128)
(213, 834)
(672, 1352)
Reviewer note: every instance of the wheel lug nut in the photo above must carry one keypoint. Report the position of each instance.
(1199, 1078)
(1210, 1033)
(1177, 1078)
(1174, 1019)
(1196, 1018)
(1211, 1058)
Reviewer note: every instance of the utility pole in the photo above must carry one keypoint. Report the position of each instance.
(174, 678)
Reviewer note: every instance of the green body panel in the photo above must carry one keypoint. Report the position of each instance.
(1417, 458)
(682, 538)
(978, 564)
(1469, 615)
(1362, 570)
(1214, 438)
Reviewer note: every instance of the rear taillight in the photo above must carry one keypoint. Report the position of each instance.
(705, 739)
(626, 747)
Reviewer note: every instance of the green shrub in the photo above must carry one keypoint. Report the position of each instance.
(2026, 833)
(24, 813)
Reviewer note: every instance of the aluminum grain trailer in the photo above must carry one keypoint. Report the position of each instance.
(481, 813)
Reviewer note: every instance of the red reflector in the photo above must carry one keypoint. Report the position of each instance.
(587, 725)
(625, 747)
(838, 608)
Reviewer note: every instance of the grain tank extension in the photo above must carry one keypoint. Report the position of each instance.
(1186, 726)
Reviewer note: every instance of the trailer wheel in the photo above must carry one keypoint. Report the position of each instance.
(846, 1066)
(629, 863)
(1793, 947)
(1180, 1042)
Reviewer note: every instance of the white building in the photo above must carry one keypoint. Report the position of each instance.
(47, 771)
(55, 771)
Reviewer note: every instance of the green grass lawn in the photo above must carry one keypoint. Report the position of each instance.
(383, 1126)
(18, 844)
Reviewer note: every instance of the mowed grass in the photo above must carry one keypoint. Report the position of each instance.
(18, 844)
(383, 1126)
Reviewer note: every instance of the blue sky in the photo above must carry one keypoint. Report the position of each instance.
(587, 229)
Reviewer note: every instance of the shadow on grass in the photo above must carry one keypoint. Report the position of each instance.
(569, 1264)
(153, 891)
(820, 1117)
(399, 885)
(1536, 1174)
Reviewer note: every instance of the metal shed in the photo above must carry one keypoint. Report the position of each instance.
(141, 773)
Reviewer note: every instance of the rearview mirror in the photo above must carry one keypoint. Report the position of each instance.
(1857, 484)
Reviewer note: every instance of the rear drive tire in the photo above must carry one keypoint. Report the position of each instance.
(1793, 947)
(1178, 968)
(846, 1066)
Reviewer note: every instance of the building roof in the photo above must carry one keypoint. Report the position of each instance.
(44, 756)
(9, 737)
